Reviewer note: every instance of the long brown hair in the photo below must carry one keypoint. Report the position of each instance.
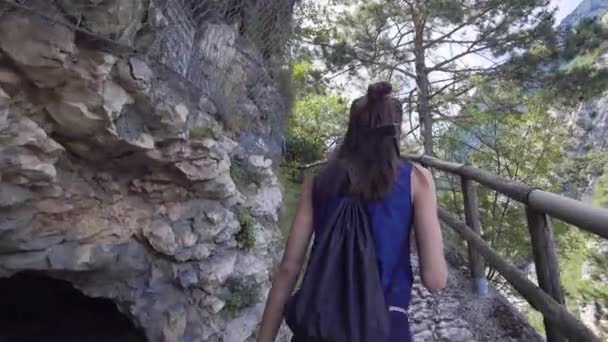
(366, 162)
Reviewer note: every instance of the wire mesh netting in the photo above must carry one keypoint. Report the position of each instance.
(179, 34)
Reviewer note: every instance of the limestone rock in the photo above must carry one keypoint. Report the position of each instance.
(27, 154)
(135, 75)
(103, 180)
(250, 266)
(115, 19)
(175, 327)
(242, 327)
(214, 304)
(75, 118)
(219, 268)
(161, 237)
(266, 202)
(41, 49)
(11, 195)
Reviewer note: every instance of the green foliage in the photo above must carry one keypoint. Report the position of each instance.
(596, 293)
(240, 295)
(576, 170)
(245, 236)
(291, 195)
(597, 166)
(581, 83)
(510, 133)
(451, 11)
(306, 79)
(600, 195)
(317, 119)
(304, 149)
(584, 39)
(450, 197)
(581, 46)
(582, 78)
(595, 289)
(585, 60)
(240, 175)
(202, 131)
(572, 254)
(535, 319)
(316, 122)
(394, 39)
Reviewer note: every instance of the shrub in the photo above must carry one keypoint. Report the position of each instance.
(240, 295)
(245, 236)
(304, 150)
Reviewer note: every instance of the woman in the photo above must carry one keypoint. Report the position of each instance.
(398, 195)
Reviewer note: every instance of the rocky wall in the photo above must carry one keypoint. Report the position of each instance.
(118, 173)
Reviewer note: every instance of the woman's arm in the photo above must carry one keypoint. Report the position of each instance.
(433, 268)
(291, 265)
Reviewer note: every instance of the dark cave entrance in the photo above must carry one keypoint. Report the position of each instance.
(35, 308)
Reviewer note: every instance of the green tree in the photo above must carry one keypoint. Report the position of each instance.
(578, 170)
(570, 66)
(600, 196)
(317, 122)
(318, 117)
(510, 133)
(411, 40)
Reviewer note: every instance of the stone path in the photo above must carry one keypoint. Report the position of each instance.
(455, 314)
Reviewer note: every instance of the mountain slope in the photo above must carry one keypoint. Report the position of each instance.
(586, 9)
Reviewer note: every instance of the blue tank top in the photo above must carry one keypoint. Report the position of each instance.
(391, 222)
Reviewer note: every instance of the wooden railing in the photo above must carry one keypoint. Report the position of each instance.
(560, 325)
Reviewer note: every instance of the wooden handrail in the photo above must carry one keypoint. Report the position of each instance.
(584, 216)
(540, 229)
(552, 311)
(311, 165)
(471, 214)
(539, 204)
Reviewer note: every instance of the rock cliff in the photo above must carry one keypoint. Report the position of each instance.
(586, 9)
(141, 175)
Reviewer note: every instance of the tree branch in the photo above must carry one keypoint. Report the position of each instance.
(455, 81)
(458, 28)
(469, 51)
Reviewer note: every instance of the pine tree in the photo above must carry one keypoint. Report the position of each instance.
(423, 43)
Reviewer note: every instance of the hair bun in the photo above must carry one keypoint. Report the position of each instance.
(379, 90)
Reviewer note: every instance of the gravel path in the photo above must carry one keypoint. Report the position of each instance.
(455, 314)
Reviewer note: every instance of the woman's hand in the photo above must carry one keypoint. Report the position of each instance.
(291, 265)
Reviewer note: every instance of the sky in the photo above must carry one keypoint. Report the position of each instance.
(564, 7)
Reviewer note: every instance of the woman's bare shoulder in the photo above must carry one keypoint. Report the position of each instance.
(422, 178)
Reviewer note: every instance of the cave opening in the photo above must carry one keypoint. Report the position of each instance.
(34, 307)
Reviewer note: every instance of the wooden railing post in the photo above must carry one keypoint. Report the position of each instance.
(552, 311)
(476, 262)
(547, 265)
